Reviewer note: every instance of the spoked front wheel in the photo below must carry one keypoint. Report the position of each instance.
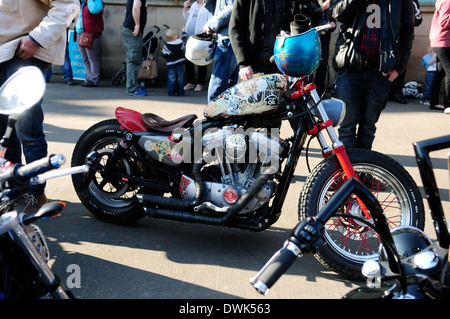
(350, 241)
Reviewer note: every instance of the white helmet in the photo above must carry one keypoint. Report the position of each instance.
(200, 48)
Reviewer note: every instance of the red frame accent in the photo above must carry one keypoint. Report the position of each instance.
(302, 89)
(320, 127)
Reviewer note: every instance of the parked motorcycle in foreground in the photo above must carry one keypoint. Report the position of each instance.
(24, 253)
(233, 169)
(411, 265)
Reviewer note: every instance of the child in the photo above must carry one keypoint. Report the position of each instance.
(173, 52)
(429, 62)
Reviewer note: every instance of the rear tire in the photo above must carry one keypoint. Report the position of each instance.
(106, 198)
(349, 242)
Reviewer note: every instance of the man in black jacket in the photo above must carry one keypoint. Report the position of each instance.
(254, 25)
(373, 47)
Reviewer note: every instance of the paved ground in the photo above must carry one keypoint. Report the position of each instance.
(155, 259)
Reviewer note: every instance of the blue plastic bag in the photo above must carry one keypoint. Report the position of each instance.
(95, 6)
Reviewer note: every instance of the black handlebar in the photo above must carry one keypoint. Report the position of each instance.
(21, 174)
(275, 267)
(40, 166)
(307, 236)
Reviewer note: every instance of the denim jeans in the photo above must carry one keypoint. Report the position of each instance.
(66, 68)
(175, 81)
(133, 47)
(225, 71)
(365, 93)
(29, 127)
(428, 83)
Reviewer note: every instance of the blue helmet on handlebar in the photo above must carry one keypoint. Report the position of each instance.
(298, 55)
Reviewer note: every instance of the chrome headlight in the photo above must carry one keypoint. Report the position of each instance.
(335, 109)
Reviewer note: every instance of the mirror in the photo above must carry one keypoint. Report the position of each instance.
(22, 90)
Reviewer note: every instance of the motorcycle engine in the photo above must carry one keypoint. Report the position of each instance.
(236, 159)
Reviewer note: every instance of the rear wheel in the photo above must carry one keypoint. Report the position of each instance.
(350, 242)
(108, 196)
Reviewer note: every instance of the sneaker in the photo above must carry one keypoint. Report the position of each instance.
(198, 88)
(189, 86)
(426, 102)
(447, 110)
(33, 203)
(139, 92)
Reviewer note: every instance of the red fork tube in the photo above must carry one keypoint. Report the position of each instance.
(347, 167)
(339, 150)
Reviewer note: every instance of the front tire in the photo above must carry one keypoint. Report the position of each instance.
(350, 242)
(106, 197)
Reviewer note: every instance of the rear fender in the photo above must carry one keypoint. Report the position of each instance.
(130, 119)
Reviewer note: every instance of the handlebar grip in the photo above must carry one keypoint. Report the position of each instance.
(275, 267)
(40, 166)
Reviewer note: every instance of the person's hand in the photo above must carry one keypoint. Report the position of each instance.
(27, 48)
(326, 4)
(246, 73)
(207, 30)
(136, 30)
(392, 75)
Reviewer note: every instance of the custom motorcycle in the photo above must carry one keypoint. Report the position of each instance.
(233, 169)
(24, 253)
(410, 264)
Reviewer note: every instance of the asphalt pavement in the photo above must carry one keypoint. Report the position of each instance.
(161, 259)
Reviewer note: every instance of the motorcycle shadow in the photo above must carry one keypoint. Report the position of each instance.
(155, 259)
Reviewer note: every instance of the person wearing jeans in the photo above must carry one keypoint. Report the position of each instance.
(173, 52)
(372, 49)
(66, 68)
(175, 81)
(33, 34)
(355, 88)
(132, 34)
(225, 70)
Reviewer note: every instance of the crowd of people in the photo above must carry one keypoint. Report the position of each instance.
(243, 50)
(245, 31)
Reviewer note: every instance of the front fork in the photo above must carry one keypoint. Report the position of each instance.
(337, 147)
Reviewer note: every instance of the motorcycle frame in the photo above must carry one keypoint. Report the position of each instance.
(300, 109)
(422, 151)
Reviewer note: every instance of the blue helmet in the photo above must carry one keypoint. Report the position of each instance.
(298, 55)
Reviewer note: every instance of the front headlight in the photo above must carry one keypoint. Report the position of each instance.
(335, 109)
